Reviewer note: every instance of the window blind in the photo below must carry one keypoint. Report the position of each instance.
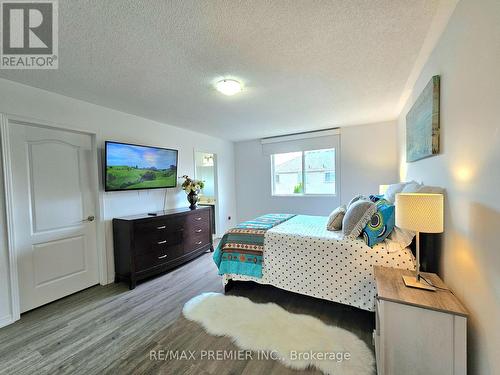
(301, 142)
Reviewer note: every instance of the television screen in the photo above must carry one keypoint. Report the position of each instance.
(133, 167)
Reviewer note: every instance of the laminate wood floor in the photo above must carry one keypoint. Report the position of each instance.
(111, 330)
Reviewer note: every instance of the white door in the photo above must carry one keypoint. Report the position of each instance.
(54, 211)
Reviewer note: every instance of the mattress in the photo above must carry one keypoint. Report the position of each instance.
(301, 256)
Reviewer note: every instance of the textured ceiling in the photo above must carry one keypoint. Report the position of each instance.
(305, 64)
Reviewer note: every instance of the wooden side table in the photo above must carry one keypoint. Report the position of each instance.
(418, 332)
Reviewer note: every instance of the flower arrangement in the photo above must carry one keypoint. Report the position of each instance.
(191, 185)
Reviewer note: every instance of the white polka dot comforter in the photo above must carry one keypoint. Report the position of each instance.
(301, 256)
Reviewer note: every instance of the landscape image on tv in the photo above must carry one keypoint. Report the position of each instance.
(130, 167)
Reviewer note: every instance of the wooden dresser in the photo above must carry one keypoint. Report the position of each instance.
(146, 245)
(418, 332)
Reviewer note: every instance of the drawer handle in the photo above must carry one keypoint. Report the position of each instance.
(197, 218)
(162, 242)
(199, 242)
(162, 257)
(198, 230)
(162, 227)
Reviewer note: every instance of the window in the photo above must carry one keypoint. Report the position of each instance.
(304, 172)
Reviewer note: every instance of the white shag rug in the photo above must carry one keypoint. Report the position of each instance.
(270, 328)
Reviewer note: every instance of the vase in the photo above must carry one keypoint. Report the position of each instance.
(192, 198)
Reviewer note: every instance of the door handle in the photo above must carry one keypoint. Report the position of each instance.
(162, 257)
(89, 218)
(199, 242)
(197, 218)
(161, 227)
(162, 242)
(198, 230)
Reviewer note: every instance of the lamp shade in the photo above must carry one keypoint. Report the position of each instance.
(420, 212)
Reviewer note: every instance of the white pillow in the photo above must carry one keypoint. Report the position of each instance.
(402, 237)
(425, 189)
(392, 246)
(392, 190)
(411, 187)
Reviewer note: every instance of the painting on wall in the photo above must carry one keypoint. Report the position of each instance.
(422, 124)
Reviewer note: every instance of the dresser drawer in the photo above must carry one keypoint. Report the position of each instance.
(152, 259)
(199, 217)
(197, 230)
(160, 225)
(198, 240)
(146, 241)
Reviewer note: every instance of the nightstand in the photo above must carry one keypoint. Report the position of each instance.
(418, 332)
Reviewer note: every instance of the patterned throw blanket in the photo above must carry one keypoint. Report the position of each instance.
(240, 250)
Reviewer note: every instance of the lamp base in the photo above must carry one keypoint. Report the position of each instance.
(411, 281)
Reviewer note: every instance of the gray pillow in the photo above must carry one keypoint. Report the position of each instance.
(335, 219)
(355, 199)
(357, 216)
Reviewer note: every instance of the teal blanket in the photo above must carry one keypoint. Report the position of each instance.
(241, 249)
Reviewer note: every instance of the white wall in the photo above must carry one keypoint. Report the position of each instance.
(368, 157)
(467, 57)
(109, 124)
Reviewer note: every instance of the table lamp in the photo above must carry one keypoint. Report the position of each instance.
(419, 213)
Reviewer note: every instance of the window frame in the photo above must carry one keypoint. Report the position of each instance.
(304, 194)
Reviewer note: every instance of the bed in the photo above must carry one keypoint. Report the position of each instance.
(301, 256)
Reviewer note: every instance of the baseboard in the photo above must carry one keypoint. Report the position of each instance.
(6, 320)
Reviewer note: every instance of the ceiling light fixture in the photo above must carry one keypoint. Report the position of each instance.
(228, 86)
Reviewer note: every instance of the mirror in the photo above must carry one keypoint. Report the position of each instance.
(205, 164)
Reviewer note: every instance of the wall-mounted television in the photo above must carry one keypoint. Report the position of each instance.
(135, 167)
